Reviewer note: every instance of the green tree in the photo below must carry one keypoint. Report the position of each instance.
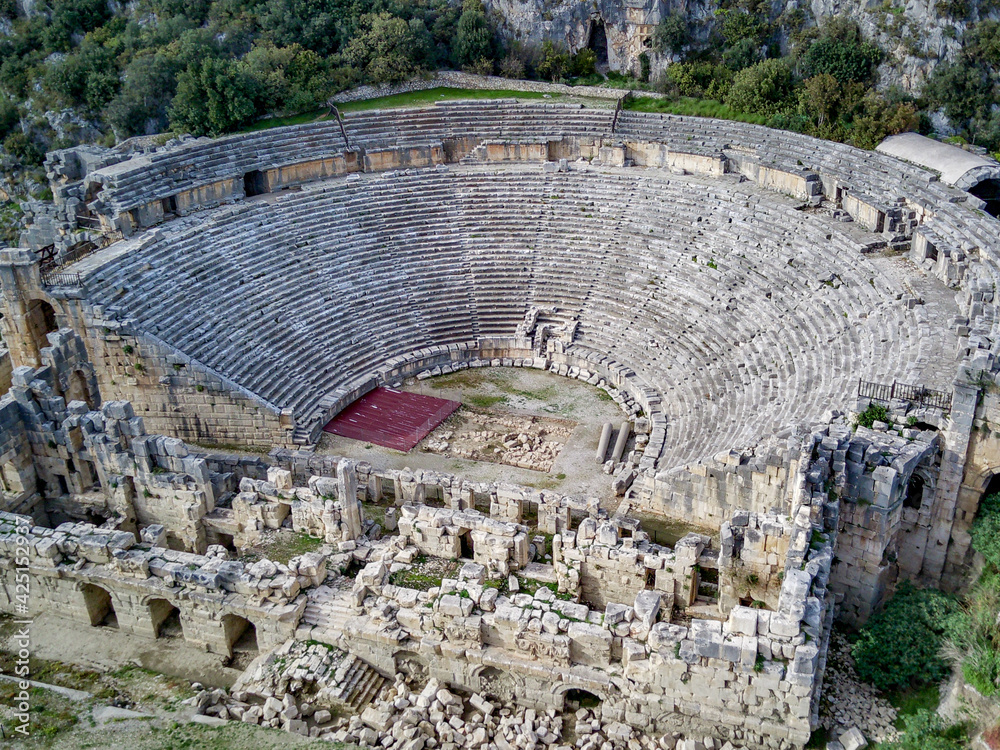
(323, 26)
(9, 118)
(901, 646)
(212, 98)
(385, 48)
(739, 25)
(69, 17)
(763, 88)
(474, 35)
(554, 62)
(847, 61)
(140, 107)
(875, 118)
(290, 79)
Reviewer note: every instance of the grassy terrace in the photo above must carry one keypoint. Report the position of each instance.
(409, 99)
(693, 107)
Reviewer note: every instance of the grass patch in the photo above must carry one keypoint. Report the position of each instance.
(908, 702)
(530, 586)
(426, 573)
(289, 544)
(693, 107)
(408, 99)
(485, 402)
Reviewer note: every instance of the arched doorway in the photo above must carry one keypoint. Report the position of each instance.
(414, 669)
(497, 685)
(241, 639)
(99, 606)
(78, 389)
(40, 318)
(166, 619)
(466, 546)
(914, 492)
(598, 41)
(577, 698)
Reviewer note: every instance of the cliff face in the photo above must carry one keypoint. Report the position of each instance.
(915, 34)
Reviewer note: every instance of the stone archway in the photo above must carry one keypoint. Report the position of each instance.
(40, 319)
(166, 619)
(576, 698)
(241, 639)
(413, 667)
(100, 608)
(496, 684)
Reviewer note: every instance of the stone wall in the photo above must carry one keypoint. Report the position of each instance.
(6, 368)
(653, 674)
(79, 570)
(462, 80)
(499, 546)
(709, 492)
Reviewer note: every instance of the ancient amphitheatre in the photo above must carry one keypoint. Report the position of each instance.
(738, 293)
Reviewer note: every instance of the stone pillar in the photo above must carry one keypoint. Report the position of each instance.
(347, 492)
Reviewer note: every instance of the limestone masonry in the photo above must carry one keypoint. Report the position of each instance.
(740, 293)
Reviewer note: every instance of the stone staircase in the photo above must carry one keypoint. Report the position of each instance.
(357, 683)
(328, 611)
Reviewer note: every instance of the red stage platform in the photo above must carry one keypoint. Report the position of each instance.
(392, 418)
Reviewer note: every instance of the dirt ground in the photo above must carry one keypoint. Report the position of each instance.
(106, 649)
(129, 693)
(509, 391)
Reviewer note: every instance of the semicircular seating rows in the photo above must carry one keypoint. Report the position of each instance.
(716, 293)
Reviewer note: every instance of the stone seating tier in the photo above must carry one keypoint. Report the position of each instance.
(741, 312)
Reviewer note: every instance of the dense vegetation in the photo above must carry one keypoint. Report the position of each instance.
(921, 634)
(902, 645)
(214, 66)
(824, 83)
(975, 641)
(210, 66)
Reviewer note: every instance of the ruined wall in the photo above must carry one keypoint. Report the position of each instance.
(752, 560)
(78, 570)
(709, 492)
(6, 368)
(499, 546)
(982, 465)
(598, 567)
(174, 394)
(654, 675)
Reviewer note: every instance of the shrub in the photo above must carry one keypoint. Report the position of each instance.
(901, 646)
(645, 67)
(925, 730)
(985, 530)
(584, 63)
(762, 89)
(21, 146)
(874, 413)
(9, 118)
(512, 66)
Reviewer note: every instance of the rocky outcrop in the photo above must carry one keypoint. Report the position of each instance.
(915, 36)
